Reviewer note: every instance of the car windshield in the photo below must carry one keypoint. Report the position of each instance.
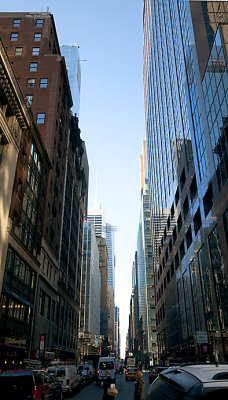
(60, 372)
(132, 370)
(159, 390)
(106, 365)
(51, 370)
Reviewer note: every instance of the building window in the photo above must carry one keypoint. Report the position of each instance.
(37, 37)
(179, 223)
(177, 196)
(40, 119)
(172, 211)
(33, 66)
(41, 302)
(193, 188)
(172, 269)
(174, 235)
(189, 237)
(16, 23)
(31, 82)
(3, 142)
(39, 23)
(14, 36)
(177, 260)
(208, 200)
(35, 51)
(43, 82)
(182, 250)
(18, 51)
(182, 179)
(29, 97)
(197, 221)
(185, 207)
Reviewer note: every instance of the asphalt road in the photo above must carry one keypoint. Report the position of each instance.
(125, 390)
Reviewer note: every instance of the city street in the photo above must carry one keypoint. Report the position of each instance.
(126, 390)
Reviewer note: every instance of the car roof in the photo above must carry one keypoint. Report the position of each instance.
(185, 377)
(208, 372)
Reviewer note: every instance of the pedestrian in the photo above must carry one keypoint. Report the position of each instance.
(106, 385)
(139, 386)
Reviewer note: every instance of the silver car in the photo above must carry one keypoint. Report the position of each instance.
(188, 382)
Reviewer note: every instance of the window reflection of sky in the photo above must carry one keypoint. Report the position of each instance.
(215, 88)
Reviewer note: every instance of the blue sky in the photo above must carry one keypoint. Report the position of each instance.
(111, 115)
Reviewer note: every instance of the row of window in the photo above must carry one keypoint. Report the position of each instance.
(20, 270)
(35, 51)
(17, 23)
(207, 203)
(16, 310)
(43, 82)
(46, 306)
(40, 117)
(179, 255)
(15, 35)
(197, 221)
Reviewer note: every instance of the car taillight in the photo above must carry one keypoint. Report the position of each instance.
(126, 373)
(98, 372)
(34, 392)
(115, 370)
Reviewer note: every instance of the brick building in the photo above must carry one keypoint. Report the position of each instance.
(33, 49)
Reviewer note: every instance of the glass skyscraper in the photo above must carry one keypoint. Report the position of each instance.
(71, 55)
(186, 110)
(145, 272)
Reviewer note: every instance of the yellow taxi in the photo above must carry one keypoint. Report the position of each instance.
(130, 374)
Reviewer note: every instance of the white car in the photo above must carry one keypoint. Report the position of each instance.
(104, 364)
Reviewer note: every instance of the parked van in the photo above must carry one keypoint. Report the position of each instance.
(104, 364)
(67, 376)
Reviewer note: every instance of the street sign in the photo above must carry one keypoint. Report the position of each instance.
(201, 337)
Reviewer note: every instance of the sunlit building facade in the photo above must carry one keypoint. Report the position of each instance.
(117, 333)
(33, 49)
(24, 167)
(185, 92)
(97, 217)
(91, 283)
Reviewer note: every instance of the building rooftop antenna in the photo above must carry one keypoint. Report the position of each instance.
(76, 44)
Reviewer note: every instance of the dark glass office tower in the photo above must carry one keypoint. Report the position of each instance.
(186, 109)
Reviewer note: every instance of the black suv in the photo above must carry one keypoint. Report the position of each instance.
(189, 382)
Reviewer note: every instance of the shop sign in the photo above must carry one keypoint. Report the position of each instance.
(201, 337)
(15, 341)
(49, 355)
